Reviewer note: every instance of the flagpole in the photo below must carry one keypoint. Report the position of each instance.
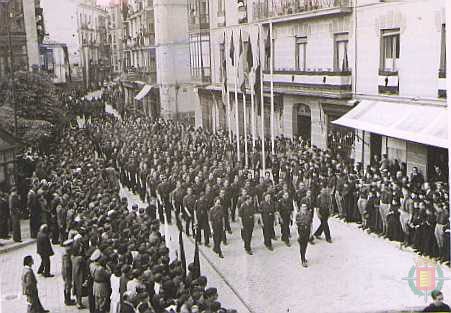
(272, 87)
(228, 115)
(245, 128)
(253, 116)
(236, 111)
(262, 101)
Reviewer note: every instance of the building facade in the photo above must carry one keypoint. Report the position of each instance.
(400, 83)
(115, 36)
(173, 60)
(94, 47)
(56, 15)
(332, 63)
(311, 69)
(139, 79)
(24, 21)
(156, 78)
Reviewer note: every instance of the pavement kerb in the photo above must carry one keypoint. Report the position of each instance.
(16, 246)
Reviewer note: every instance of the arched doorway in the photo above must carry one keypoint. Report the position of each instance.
(304, 122)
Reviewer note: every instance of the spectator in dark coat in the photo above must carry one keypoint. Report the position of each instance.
(44, 249)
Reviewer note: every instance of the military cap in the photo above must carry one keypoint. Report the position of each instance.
(96, 255)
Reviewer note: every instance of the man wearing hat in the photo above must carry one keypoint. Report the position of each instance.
(246, 212)
(66, 272)
(216, 215)
(268, 210)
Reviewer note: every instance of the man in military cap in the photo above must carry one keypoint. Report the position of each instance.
(189, 204)
(268, 210)
(304, 224)
(202, 207)
(216, 216)
(285, 211)
(246, 213)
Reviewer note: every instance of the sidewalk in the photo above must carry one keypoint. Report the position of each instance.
(7, 245)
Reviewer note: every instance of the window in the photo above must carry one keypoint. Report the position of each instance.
(341, 63)
(301, 53)
(390, 50)
(442, 72)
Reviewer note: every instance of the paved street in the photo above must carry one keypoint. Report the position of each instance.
(340, 272)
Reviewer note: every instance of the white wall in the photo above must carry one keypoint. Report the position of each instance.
(420, 34)
(172, 54)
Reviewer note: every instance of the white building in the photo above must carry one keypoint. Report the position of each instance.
(400, 83)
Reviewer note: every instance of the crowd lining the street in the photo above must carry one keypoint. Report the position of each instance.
(114, 255)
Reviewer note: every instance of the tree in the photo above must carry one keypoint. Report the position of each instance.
(39, 110)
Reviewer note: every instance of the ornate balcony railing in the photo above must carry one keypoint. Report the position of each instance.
(263, 9)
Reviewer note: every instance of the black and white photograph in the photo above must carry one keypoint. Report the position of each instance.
(224, 156)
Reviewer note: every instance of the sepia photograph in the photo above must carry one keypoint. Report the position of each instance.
(224, 156)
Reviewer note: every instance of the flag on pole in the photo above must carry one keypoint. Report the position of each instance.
(268, 45)
(224, 73)
(257, 85)
(232, 51)
(249, 61)
(241, 65)
(182, 253)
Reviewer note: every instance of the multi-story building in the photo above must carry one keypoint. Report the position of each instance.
(115, 36)
(366, 77)
(173, 60)
(200, 61)
(400, 83)
(57, 14)
(312, 75)
(94, 46)
(139, 63)
(22, 26)
(157, 80)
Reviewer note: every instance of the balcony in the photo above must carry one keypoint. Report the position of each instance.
(388, 82)
(287, 10)
(145, 74)
(333, 84)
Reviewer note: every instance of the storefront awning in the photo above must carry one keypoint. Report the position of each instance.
(144, 91)
(424, 124)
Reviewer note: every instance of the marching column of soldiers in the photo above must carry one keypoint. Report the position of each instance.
(186, 177)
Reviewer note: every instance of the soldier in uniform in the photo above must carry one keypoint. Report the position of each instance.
(202, 219)
(177, 198)
(66, 272)
(285, 208)
(325, 207)
(247, 212)
(268, 210)
(189, 204)
(216, 216)
(304, 224)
